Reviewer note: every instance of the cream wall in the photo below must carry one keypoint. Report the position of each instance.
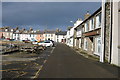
(115, 58)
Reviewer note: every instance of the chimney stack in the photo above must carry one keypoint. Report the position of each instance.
(87, 15)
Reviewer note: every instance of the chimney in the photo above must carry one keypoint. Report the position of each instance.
(57, 30)
(23, 29)
(87, 15)
(17, 28)
(30, 29)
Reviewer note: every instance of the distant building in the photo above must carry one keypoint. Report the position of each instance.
(49, 35)
(70, 33)
(60, 36)
(87, 34)
(40, 35)
(6, 32)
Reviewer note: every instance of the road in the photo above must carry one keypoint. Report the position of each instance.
(66, 63)
(57, 62)
(23, 65)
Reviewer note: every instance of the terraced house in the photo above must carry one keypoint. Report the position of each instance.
(88, 34)
(98, 34)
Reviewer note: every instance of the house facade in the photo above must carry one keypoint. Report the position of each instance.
(60, 36)
(40, 36)
(115, 31)
(98, 34)
(49, 35)
(6, 33)
(88, 34)
(71, 32)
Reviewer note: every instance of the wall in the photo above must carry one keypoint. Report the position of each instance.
(119, 34)
(107, 31)
(114, 58)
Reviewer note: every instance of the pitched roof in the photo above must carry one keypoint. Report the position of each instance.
(51, 32)
(61, 33)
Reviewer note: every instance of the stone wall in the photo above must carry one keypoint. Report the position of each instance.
(107, 31)
(89, 49)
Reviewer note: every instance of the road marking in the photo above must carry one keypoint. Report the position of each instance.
(9, 69)
(21, 74)
(52, 50)
(37, 73)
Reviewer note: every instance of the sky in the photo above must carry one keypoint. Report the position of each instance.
(45, 15)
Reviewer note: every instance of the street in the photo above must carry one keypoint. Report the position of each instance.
(55, 62)
(23, 65)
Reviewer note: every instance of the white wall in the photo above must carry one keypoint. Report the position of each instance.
(114, 58)
(119, 33)
(59, 38)
(49, 36)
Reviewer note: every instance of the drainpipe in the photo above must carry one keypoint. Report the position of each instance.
(103, 33)
(110, 32)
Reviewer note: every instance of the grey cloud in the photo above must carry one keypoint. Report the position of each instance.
(43, 13)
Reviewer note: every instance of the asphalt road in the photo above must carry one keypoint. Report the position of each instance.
(56, 62)
(23, 65)
(66, 63)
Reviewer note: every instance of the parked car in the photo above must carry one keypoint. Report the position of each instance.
(34, 42)
(26, 41)
(47, 43)
(53, 42)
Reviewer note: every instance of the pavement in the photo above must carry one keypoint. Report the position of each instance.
(66, 63)
(55, 62)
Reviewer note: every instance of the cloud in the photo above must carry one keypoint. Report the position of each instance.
(52, 14)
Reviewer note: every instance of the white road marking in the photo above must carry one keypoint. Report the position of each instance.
(52, 50)
(36, 75)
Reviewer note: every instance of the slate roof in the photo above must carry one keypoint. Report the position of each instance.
(61, 33)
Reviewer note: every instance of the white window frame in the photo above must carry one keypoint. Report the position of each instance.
(85, 44)
(98, 22)
(80, 43)
(97, 45)
(91, 24)
(86, 27)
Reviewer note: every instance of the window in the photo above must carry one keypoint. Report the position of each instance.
(51, 35)
(79, 43)
(79, 32)
(83, 29)
(92, 24)
(98, 20)
(85, 44)
(97, 45)
(86, 26)
(30, 35)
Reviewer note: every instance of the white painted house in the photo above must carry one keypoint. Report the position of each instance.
(60, 36)
(70, 33)
(49, 35)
